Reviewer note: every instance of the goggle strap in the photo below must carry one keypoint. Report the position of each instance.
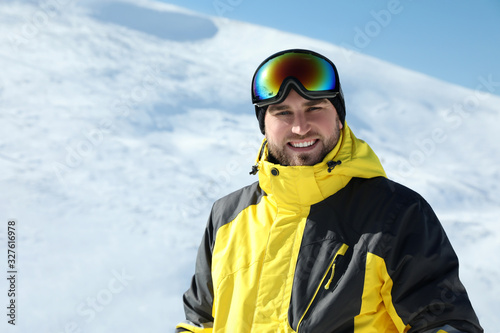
(287, 86)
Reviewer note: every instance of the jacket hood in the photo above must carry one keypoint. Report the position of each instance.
(307, 185)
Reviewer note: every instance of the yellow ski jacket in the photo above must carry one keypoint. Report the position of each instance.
(334, 247)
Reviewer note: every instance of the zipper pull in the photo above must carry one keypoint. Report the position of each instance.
(327, 286)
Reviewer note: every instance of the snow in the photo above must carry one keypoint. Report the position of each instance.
(119, 132)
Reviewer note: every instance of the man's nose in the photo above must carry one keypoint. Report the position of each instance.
(300, 124)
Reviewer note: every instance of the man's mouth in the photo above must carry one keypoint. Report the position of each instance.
(302, 144)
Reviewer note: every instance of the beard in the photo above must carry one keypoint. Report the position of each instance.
(279, 154)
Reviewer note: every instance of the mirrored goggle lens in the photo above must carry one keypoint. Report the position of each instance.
(314, 73)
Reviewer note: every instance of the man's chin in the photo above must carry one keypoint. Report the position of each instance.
(305, 160)
(293, 158)
(288, 157)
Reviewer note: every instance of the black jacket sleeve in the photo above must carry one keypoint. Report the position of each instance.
(427, 292)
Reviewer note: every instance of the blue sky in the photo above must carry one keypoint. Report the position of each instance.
(457, 41)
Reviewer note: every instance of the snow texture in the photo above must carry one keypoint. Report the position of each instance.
(123, 121)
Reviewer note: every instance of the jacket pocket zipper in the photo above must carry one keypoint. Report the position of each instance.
(331, 266)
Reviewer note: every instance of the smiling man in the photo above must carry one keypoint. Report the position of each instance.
(323, 241)
(301, 131)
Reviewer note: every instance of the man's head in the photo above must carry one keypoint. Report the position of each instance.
(301, 131)
(299, 105)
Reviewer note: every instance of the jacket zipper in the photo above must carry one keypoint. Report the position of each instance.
(340, 252)
(327, 285)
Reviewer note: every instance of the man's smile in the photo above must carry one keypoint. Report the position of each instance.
(303, 145)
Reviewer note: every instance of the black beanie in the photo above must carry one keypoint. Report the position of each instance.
(337, 101)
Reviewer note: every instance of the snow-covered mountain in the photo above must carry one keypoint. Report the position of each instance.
(123, 121)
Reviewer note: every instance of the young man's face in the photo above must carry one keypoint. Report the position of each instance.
(301, 131)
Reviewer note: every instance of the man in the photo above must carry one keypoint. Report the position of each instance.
(323, 242)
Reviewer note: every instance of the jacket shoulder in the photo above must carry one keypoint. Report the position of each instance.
(370, 206)
(385, 189)
(383, 195)
(228, 207)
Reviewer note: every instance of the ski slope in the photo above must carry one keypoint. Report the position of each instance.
(123, 121)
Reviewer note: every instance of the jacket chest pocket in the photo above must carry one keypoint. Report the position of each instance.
(320, 269)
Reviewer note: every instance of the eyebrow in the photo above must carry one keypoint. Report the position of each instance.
(282, 107)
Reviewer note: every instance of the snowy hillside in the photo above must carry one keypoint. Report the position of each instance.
(123, 121)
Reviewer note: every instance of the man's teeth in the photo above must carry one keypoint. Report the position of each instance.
(302, 144)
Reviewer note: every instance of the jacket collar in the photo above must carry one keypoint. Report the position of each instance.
(307, 185)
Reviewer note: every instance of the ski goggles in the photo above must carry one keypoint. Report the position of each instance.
(313, 76)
